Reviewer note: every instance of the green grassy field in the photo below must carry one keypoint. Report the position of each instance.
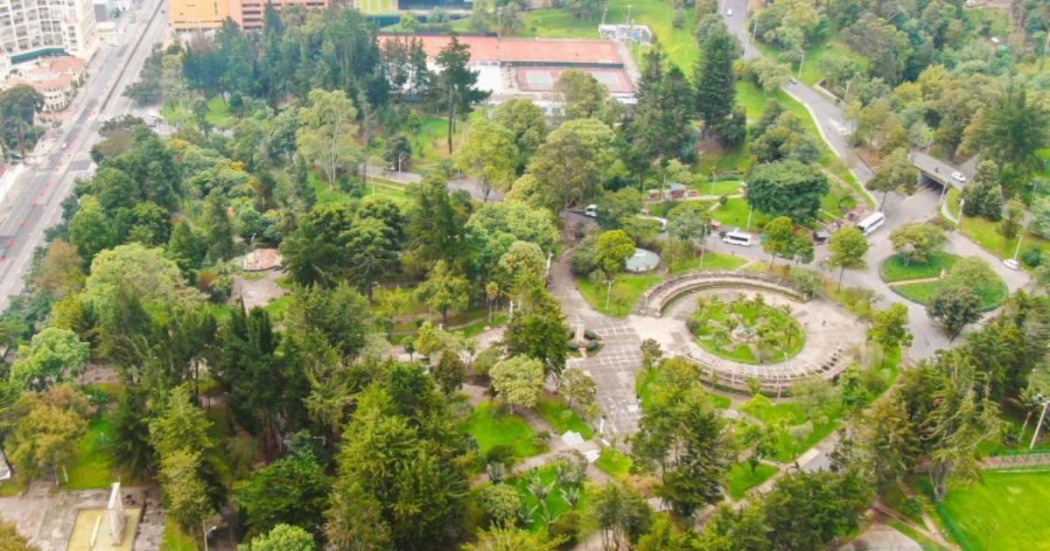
(922, 292)
(491, 428)
(896, 269)
(712, 261)
(174, 539)
(986, 233)
(741, 479)
(725, 187)
(1005, 511)
(561, 417)
(626, 290)
(376, 7)
(92, 465)
(678, 45)
(614, 463)
(734, 213)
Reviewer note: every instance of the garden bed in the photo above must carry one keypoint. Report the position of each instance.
(897, 268)
(746, 330)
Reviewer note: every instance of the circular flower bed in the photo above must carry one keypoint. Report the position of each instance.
(746, 330)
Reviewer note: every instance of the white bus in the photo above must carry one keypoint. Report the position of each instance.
(737, 238)
(871, 223)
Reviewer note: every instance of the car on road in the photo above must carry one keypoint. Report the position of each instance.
(65, 145)
(1012, 264)
(959, 177)
(591, 211)
(729, 12)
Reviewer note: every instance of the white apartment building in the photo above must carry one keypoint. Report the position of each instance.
(32, 28)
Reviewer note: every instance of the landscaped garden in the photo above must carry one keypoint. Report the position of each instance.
(742, 478)
(794, 429)
(561, 417)
(898, 268)
(746, 330)
(551, 491)
(920, 282)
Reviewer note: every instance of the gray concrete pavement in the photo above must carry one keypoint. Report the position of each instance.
(34, 204)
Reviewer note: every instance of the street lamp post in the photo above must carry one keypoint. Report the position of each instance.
(1039, 425)
(750, 210)
(1020, 238)
(400, 157)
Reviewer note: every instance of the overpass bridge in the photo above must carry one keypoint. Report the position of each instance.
(933, 169)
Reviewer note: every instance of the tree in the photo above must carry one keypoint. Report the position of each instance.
(290, 492)
(52, 354)
(810, 511)
(282, 538)
(518, 381)
(450, 371)
(585, 98)
(890, 329)
(19, 105)
(780, 238)
(895, 174)
(46, 432)
(580, 391)
(489, 155)
(187, 247)
(954, 306)
(574, 163)
(984, 194)
(328, 134)
(848, 247)
(457, 82)
(60, 272)
(651, 353)
(686, 439)
(614, 248)
(888, 443)
(621, 514)
(522, 267)
(91, 231)
(537, 330)
(1016, 129)
(444, 290)
(715, 82)
(502, 504)
(916, 241)
(526, 122)
(134, 270)
(787, 188)
(303, 191)
(217, 227)
(185, 493)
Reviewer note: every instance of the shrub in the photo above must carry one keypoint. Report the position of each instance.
(566, 526)
(501, 503)
(484, 361)
(1032, 256)
(502, 453)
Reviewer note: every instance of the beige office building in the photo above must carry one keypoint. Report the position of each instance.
(198, 15)
(33, 28)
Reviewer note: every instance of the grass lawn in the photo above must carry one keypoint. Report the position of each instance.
(985, 233)
(725, 187)
(643, 385)
(791, 414)
(1005, 511)
(712, 261)
(953, 200)
(561, 417)
(219, 114)
(922, 292)
(742, 479)
(895, 268)
(491, 428)
(174, 539)
(614, 463)
(92, 465)
(678, 45)
(926, 543)
(626, 290)
(734, 213)
(376, 7)
(554, 504)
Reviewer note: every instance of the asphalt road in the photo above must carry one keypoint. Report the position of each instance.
(34, 202)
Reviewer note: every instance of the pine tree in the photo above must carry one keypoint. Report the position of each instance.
(715, 83)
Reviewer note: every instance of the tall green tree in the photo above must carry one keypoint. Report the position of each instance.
(292, 491)
(1016, 128)
(489, 155)
(715, 81)
(458, 83)
(848, 248)
(328, 134)
(954, 306)
(787, 188)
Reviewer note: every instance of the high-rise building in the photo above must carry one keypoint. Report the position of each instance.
(249, 13)
(32, 28)
(198, 15)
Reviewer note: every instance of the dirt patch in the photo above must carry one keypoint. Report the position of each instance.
(256, 290)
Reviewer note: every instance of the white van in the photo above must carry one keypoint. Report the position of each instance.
(591, 211)
(871, 223)
(737, 238)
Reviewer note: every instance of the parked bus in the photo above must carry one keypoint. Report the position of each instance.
(871, 223)
(737, 238)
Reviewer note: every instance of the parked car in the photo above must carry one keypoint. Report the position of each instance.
(959, 177)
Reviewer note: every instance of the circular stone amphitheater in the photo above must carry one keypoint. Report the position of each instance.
(831, 334)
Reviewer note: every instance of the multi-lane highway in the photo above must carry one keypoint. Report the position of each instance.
(34, 202)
